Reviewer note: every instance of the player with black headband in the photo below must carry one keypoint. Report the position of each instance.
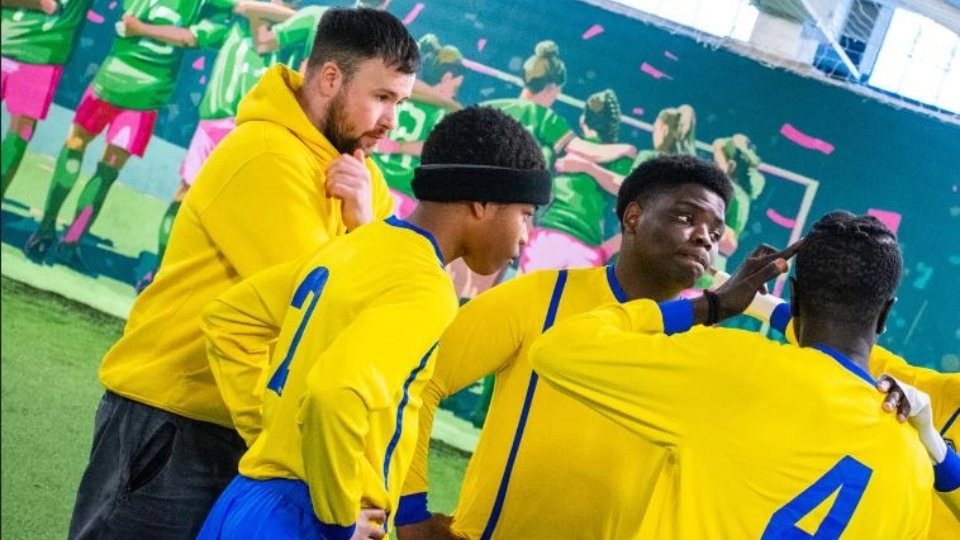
(332, 413)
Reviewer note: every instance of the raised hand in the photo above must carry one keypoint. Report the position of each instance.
(349, 180)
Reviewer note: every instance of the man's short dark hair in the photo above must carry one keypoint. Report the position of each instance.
(847, 268)
(482, 136)
(350, 36)
(658, 175)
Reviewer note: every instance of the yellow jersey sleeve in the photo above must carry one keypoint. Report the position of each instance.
(251, 244)
(242, 326)
(621, 361)
(486, 335)
(359, 373)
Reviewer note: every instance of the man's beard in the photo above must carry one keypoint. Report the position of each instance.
(336, 127)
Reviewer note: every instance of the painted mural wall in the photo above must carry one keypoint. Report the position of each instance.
(91, 223)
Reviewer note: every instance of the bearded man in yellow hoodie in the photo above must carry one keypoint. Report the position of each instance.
(294, 174)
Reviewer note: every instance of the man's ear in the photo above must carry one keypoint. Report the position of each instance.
(884, 313)
(631, 217)
(329, 79)
(479, 209)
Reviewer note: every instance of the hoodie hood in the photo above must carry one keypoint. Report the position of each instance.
(274, 99)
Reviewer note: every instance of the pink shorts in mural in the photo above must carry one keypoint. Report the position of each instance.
(208, 135)
(551, 249)
(129, 129)
(28, 88)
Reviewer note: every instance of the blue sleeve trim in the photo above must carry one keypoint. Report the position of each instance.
(947, 473)
(780, 317)
(336, 532)
(412, 509)
(677, 316)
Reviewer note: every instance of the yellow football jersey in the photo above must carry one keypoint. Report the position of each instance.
(358, 324)
(545, 466)
(767, 440)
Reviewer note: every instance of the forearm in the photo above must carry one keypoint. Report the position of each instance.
(600, 153)
(425, 93)
(171, 35)
(33, 5)
(265, 11)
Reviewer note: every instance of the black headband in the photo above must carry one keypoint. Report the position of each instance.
(481, 183)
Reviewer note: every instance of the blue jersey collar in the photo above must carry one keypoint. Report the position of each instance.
(397, 222)
(846, 363)
(615, 287)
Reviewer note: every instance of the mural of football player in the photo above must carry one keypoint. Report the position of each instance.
(441, 70)
(37, 39)
(572, 229)
(738, 157)
(236, 68)
(135, 80)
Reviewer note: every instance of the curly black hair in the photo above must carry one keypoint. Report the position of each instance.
(847, 268)
(482, 136)
(658, 175)
(350, 36)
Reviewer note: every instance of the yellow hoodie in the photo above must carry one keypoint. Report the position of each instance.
(258, 201)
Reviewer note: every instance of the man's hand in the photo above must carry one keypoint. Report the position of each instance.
(918, 412)
(349, 180)
(129, 26)
(49, 7)
(370, 524)
(435, 528)
(763, 264)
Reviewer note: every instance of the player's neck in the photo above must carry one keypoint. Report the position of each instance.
(637, 284)
(852, 340)
(439, 220)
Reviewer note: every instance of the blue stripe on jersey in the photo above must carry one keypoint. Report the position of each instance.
(847, 363)
(780, 317)
(524, 413)
(615, 285)
(950, 422)
(397, 222)
(677, 315)
(403, 404)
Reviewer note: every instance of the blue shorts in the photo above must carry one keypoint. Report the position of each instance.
(277, 509)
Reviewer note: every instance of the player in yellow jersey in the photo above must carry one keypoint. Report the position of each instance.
(353, 330)
(291, 176)
(943, 390)
(540, 451)
(737, 412)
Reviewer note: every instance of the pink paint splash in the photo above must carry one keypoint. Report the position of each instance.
(481, 43)
(654, 72)
(637, 111)
(671, 56)
(417, 8)
(203, 79)
(111, 6)
(94, 17)
(785, 222)
(26, 133)
(890, 219)
(73, 234)
(592, 31)
(384, 5)
(199, 63)
(806, 141)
